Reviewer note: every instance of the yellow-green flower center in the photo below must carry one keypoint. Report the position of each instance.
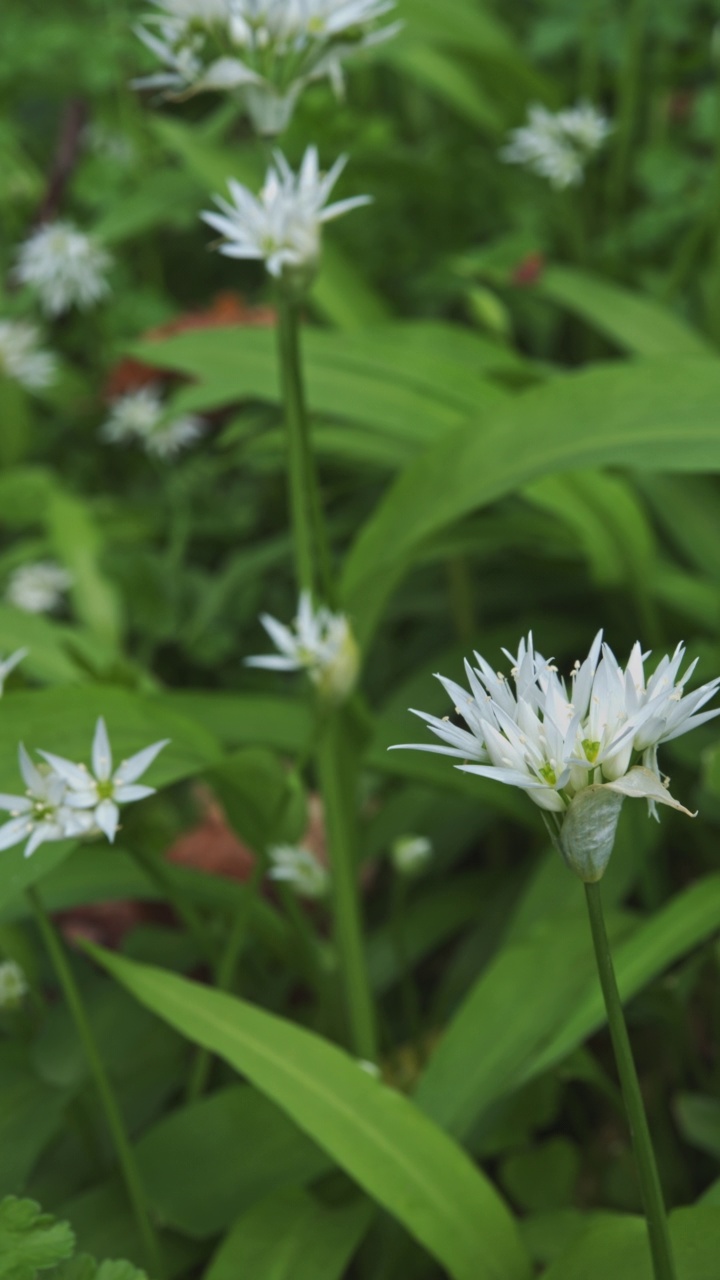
(591, 749)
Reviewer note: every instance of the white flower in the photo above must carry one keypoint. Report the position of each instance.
(319, 642)
(66, 267)
(8, 664)
(411, 854)
(557, 147)
(13, 985)
(42, 813)
(22, 359)
(139, 416)
(281, 227)
(299, 868)
(38, 588)
(268, 49)
(569, 746)
(102, 791)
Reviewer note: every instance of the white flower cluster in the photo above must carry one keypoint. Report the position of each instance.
(139, 417)
(66, 267)
(282, 226)
(268, 49)
(319, 642)
(557, 146)
(299, 867)
(22, 358)
(576, 750)
(38, 588)
(64, 799)
(13, 985)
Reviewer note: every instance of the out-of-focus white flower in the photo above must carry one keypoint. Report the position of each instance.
(8, 664)
(104, 141)
(66, 267)
(139, 417)
(21, 357)
(299, 868)
(103, 790)
(319, 642)
(411, 854)
(576, 750)
(38, 588)
(42, 813)
(13, 985)
(558, 146)
(268, 49)
(282, 226)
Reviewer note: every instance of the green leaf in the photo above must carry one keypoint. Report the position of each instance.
(397, 1155)
(30, 1240)
(634, 323)
(651, 415)
(619, 1247)
(447, 78)
(246, 1148)
(77, 542)
(291, 1236)
(262, 801)
(698, 1119)
(31, 1113)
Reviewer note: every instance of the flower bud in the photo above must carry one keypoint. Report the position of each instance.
(587, 832)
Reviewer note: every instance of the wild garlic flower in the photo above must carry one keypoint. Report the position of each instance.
(13, 985)
(576, 749)
(21, 357)
(139, 417)
(411, 854)
(319, 642)
(38, 588)
(282, 226)
(558, 146)
(299, 868)
(267, 49)
(103, 791)
(8, 664)
(64, 266)
(42, 813)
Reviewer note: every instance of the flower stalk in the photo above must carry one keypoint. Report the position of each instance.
(113, 1115)
(651, 1190)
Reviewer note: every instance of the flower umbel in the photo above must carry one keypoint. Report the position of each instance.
(299, 868)
(139, 417)
(21, 357)
(268, 49)
(558, 146)
(282, 226)
(319, 642)
(38, 588)
(42, 813)
(103, 790)
(579, 748)
(66, 267)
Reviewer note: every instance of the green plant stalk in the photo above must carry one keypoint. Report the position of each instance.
(156, 871)
(629, 83)
(337, 794)
(651, 1190)
(408, 990)
(312, 555)
(113, 1116)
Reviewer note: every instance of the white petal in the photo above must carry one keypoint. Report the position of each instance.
(13, 832)
(14, 804)
(101, 752)
(30, 772)
(107, 816)
(641, 783)
(75, 775)
(132, 791)
(131, 769)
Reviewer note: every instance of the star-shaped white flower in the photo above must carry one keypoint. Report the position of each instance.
(319, 642)
(22, 358)
(42, 813)
(299, 867)
(104, 790)
(282, 226)
(558, 146)
(66, 267)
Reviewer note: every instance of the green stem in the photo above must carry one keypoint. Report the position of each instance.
(113, 1116)
(629, 83)
(312, 556)
(338, 801)
(408, 990)
(651, 1190)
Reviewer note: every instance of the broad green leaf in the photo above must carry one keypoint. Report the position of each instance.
(30, 1240)
(245, 720)
(651, 415)
(291, 1236)
(31, 1113)
(246, 1149)
(634, 323)
(105, 1227)
(341, 293)
(447, 78)
(49, 645)
(619, 1248)
(399, 1157)
(559, 1011)
(262, 801)
(78, 544)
